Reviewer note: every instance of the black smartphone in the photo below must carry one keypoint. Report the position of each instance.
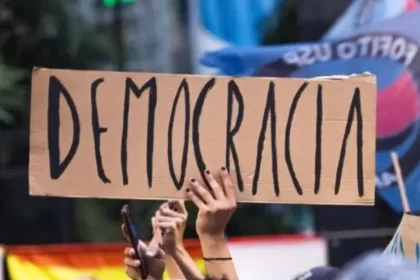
(134, 239)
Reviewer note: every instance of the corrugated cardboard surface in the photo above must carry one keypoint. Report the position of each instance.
(97, 170)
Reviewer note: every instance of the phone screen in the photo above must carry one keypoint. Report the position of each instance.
(134, 239)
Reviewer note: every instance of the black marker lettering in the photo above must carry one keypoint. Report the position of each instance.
(131, 86)
(355, 107)
(318, 143)
(289, 123)
(97, 130)
(196, 126)
(185, 89)
(269, 111)
(234, 92)
(55, 89)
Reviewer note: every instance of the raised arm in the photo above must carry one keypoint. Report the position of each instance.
(171, 221)
(214, 212)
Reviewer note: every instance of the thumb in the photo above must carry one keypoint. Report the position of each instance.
(155, 252)
(124, 231)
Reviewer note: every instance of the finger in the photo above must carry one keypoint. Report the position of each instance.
(178, 206)
(131, 262)
(153, 222)
(129, 252)
(124, 231)
(228, 185)
(191, 195)
(173, 221)
(156, 253)
(167, 226)
(217, 190)
(199, 190)
(142, 247)
(131, 272)
(157, 214)
(167, 212)
(164, 205)
(167, 219)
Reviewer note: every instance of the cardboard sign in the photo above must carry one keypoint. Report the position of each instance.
(142, 135)
(406, 240)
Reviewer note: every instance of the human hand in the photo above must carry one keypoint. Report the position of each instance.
(171, 220)
(214, 208)
(153, 256)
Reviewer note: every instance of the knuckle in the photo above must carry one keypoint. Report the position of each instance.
(212, 210)
(224, 207)
(233, 205)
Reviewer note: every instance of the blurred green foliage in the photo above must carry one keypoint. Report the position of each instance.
(46, 33)
(113, 3)
(42, 33)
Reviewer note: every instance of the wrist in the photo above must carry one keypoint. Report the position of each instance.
(214, 246)
(178, 250)
(211, 237)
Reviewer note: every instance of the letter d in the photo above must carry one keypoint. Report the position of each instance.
(56, 89)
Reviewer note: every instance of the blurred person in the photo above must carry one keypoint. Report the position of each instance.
(379, 266)
(171, 220)
(215, 208)
(319, 273)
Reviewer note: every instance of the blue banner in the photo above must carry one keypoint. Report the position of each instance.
(362, 13)
(215, 24)
(390, 50)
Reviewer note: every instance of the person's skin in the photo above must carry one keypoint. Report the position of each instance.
(171, 220)
(154, 256)
(173, 270)
(214, 212)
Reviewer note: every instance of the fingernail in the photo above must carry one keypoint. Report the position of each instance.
(137, 263)
(192, 180)
(223, 168)
(207, 172)
(187, 190)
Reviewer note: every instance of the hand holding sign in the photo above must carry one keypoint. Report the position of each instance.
(214, 208)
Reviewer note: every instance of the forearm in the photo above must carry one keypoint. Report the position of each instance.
(173, 270)
(186, 264)
(216, 251)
